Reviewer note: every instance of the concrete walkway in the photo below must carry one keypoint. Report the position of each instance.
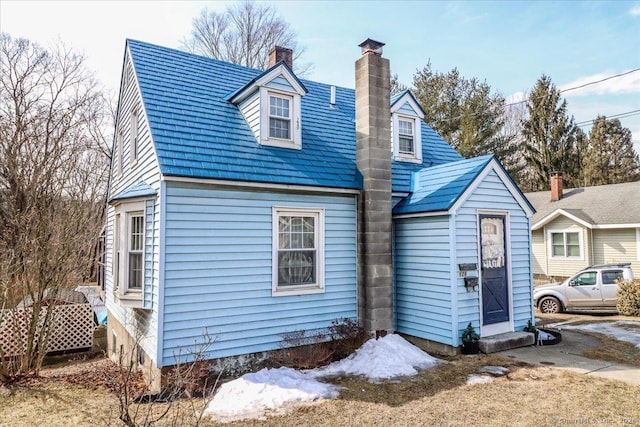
(567, 355)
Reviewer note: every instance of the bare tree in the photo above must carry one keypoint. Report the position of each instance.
(53, 171)
(243, 34)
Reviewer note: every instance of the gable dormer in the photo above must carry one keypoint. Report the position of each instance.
(406, 125)
(271, 105)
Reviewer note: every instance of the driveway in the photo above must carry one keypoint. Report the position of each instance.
(568, 353)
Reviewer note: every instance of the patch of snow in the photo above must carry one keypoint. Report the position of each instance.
(387, 357)
(273, 390)
(254, 394)
(478, 379)
(497, 371)
(623, 330)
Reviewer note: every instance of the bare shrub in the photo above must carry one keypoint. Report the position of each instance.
(303, 350)
(629, 298)
(177, 401)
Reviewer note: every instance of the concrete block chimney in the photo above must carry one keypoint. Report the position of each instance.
(278, 54)
(556, 186)
(373, 159)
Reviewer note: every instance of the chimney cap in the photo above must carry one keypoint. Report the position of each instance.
(371, 46)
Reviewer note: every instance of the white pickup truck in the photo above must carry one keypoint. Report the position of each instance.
(593, 289)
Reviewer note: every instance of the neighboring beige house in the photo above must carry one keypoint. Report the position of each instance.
(579, 227)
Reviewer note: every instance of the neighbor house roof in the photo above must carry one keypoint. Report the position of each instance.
(603, 206)
(198, 133)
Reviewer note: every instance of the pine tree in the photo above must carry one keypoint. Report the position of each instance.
(463, 111)
(610, 157)
(550, 136)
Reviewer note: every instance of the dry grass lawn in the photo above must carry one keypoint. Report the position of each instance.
(527, 396)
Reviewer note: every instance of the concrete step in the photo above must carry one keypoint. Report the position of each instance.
(506, 341)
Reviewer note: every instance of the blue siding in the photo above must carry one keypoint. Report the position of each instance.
(218, 270)
(146, 170)
(280, 83)
(423, 283)
(492, 194)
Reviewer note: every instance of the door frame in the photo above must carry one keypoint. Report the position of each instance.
(507, 326)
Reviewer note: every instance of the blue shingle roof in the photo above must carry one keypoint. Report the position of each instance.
(437, 188)
(139, 190)
(199, 134)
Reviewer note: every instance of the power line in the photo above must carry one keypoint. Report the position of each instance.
(614, 116)
(583, 85)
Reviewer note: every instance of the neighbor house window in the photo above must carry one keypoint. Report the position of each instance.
(298, 258)
(279, 117)
(134, 137)
(566, 244)
(136, 245)
(405, 137)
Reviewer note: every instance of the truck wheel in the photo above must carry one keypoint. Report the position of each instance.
(549, 305)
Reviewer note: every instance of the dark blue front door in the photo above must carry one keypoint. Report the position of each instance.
(495, 289)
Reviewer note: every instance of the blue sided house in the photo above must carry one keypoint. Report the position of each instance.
(246, 204)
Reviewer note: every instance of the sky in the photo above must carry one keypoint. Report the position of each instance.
(508, 44)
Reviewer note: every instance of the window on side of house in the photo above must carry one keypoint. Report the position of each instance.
(280, 117)
(129, 246)
(118, 154)
(133, 146)
(116, 252)
(566, 244)
(135, 236)
(298, 258)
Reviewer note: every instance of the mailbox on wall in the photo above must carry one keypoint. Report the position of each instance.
(470, 282)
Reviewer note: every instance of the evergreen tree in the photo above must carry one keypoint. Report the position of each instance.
(610, 157)
(463, 111)
(396, 86)
(550, 138)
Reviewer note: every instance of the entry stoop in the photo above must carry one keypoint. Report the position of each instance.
(506, 341)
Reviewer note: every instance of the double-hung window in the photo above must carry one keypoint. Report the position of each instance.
(566, 244)
(298, 258)
(406, 144)
(135, 250)
(280, 117)
(128, 250)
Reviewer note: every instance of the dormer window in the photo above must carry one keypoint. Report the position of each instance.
(272, 106)
(280, 117)
(406, 146)
(406, 124)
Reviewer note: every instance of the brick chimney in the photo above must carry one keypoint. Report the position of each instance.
(278, 54)
(373, 159)
(556, 186)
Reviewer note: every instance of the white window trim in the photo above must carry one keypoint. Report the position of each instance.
(638, 243)
(315, 288)
(133, 136)
(124, 212)
(416, 157)
(564, 231)
(294, 111)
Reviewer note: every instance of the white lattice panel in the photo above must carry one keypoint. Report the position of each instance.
(72, 328)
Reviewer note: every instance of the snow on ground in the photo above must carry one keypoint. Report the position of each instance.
(623, 330)
(274, 390)
(387, 357)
